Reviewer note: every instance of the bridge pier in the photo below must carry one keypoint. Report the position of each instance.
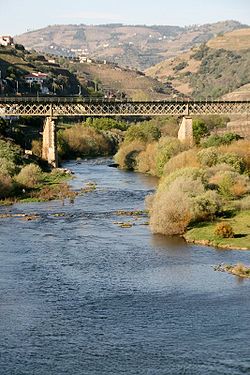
(49, 149)
(185, 133)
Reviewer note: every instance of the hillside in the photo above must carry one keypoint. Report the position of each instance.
(134, 46)
(65, 76)
(214, 69)
(16, 63)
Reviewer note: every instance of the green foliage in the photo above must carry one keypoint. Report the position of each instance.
(193, 173)
(224, 230)
(180, 66)
(105, 124)
(145, 132)
(80, 141)
(206, 206)
(29, 176)
(218, 140)
(221, 71)
(200, 129)
(208, 157)
(167, 148)
(234, 160)
(10, 151)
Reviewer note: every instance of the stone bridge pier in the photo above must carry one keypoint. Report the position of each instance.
(185, 133)
(49, 145)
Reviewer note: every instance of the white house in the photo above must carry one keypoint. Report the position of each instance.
(36, 78)
(6, 40)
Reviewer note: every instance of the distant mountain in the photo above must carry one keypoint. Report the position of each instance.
(137, 47)
(219, 67)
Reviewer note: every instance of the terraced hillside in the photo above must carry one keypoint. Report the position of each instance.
(211, 70)
(134, 46)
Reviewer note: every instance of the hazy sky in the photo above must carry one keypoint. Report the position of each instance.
(18, 16)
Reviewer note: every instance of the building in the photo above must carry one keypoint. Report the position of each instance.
(6, 40)
(39, 78)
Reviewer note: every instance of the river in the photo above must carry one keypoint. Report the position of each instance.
(81, 295)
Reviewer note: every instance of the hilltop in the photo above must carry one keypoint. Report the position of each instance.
(135, 46)
(211, 70)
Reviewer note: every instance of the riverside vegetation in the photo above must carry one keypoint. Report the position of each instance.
(200, 187)
(26, 178)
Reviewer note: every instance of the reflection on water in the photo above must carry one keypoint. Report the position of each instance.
(80, 295)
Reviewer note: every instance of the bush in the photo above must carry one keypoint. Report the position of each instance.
(170, 213)
(7, 167)
(105, 124)
(243, 204)
(234, 160)
(186, 159)
(186, 173)
(240, 148)
(206, 206)
(36, 147)
(29, 176)
(231, 184)
(224, 230)
(218, 140)
(10, 152)
(144, 132)
(167, 148)
(80, 141)
(128, 153)
(146, 159)
(212, 156)
(6, 185)
(208, 157)
(200, 129)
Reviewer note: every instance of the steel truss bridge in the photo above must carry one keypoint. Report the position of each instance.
(75, 106)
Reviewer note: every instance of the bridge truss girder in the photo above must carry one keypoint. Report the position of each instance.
(107, 108)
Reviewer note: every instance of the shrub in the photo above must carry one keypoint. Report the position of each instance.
(208, 157)
(243, 204)
(240, 148)
(10, 152)
(212, 156)
(218, 140)
(234, 160)
(36, 147)
(6, 185)
(145, 132)
(186, 173)
(170, 213)
(29, 176)
(7, 167)
(128, 153)
(167, 148)
(205, 206)
(146, 159)
(224, 230)
(186, 159)
(105, 124)
(200, 129)
(231, 184)
(80, 141)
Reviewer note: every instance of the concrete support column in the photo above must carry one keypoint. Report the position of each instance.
(49, 151)
(185, 133)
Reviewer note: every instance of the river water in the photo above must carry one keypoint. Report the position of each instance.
(80, 295)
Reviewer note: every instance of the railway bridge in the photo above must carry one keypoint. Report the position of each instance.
(53, 107)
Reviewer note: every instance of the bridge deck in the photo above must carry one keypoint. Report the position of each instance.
(78, 106)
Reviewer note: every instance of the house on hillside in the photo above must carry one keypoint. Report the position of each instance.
(6, 40)
(40, 79)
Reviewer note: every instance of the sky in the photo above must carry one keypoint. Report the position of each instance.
(18, 16)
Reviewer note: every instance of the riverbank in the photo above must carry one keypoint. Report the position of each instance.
(204, 233)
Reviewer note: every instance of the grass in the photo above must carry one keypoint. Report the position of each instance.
(203, 233)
